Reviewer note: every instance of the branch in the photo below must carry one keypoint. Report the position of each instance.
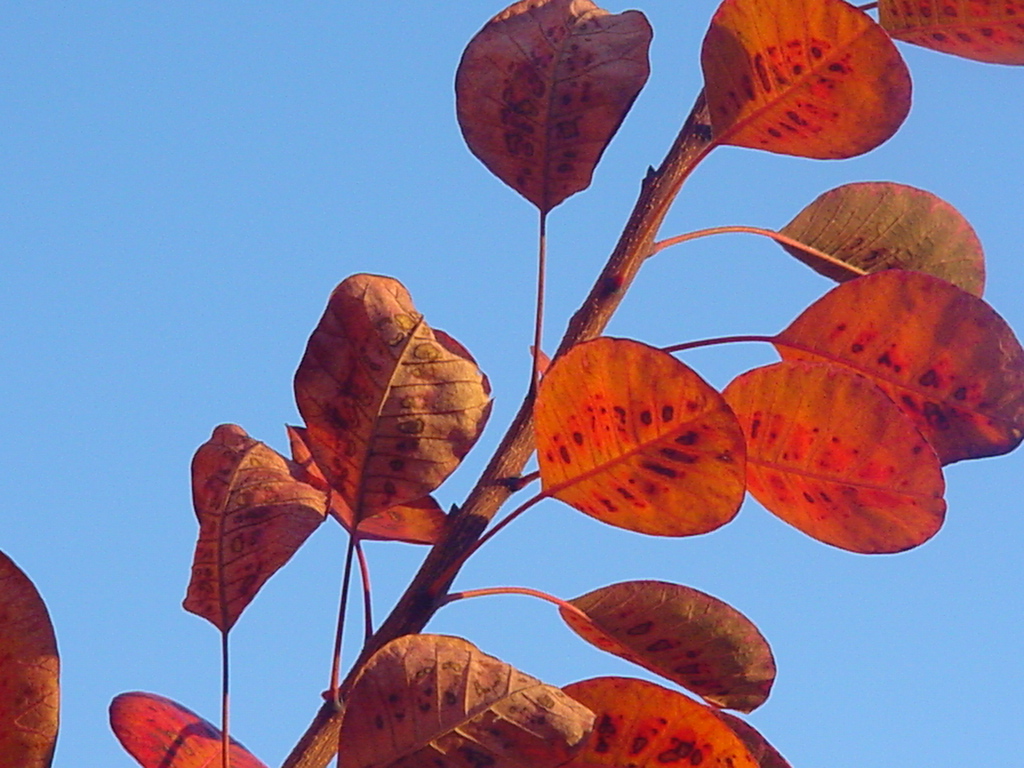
(430, 585)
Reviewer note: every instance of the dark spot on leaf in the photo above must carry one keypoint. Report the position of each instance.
(961, 393)
(397, 465)
(625, 494)
(476, 758)
(646, 418)
(688, 669)
(810, 499)
(605, 726)
(620, 412)
(673, 455)
(662, 645)
(425, 706)
(577, 437)
(638, 745)
(679, 750)
(377, 721)
(909, 402)
(754, 426)
(667, 413)
(411, 427)
(601, 746)
(885, 360)
(640, 629)
(608, 505)
(450, 699)
(856, 348)
(929, 379)
(564, 453)
(658, 469)
(935, 416)
(696, 757)
(687, 438)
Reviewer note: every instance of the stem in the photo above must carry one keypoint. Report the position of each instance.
(225, 735)
(538, 323)
(469, 593)
(364, 578)
(719, 340)
(421, 599)
(776, 236)
(334, 688)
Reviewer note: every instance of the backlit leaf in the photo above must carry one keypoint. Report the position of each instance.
(983, 30)
(431, 700)
(642, 725)
(391, 407)
(543, 87)
(160, 733)
(682, 634)
(882, 225)
(832, 455)
(253, 515)
(764, 753)
(813, 78)
(418, 522)
(628, 434)
(944, 356)
(29, 669)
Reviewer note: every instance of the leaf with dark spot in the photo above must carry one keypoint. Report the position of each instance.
(764, 753)
(992, 32)
(691, 638)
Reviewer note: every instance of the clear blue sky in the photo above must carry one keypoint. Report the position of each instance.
(182, 185)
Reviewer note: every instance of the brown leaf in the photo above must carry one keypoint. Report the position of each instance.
(391, 407)
(680, 633)
(812, 78)
(438, 701)
(984, 31)
(253, 515)
(944, 356)
(764, 753)
(872, 226)
(642, 725)
(29, 670)
(628, 434)
(419, 522)
(160, 733)
(544, 86)
(832, 455)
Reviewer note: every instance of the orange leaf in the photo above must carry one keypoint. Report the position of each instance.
(435, 700)
(944, 356)
(628, 434)
(391, 407)
(29, 669)
(544, 86)
(418, 522)
(253, 516)
(832, 455)
(975, 29)
(873, 226)
(812, 78)
(682, 634)
(160, 733)
(764, 753)
(642, 725)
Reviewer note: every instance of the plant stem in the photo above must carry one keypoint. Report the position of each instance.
(225, 730)
(423, 595)
(469, 593)
(538, 322)
(334, 687)
(364, 578)
(718, 340)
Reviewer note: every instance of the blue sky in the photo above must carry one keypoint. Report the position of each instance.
(183, 184)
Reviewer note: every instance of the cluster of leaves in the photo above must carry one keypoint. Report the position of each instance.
(899, 370)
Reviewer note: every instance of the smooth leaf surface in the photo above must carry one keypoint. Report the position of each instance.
(764, 753)
(642, 725)
(879, 225)
(419, 522)
(160, 733)
(543, 87)
(29, 673)
(628, 434)
(253, 515)
(832, 455)
(391, 407)
(813, 78)
(944, 356)
(432, 700)
(683, 634)
(983, 30)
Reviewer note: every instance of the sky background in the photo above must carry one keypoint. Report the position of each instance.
(182, 185)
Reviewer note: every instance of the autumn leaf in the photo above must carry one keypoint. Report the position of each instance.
(418, 522)
(642, 725)
(871, 226)
(682, 634)
(391, 407)
(764, 753)
(812, 78)
(944, 356)
(160, 733)
(975, 29)
(628, 434)
(29, 673)
(832, 455)
(253, 516)
(439, 701)
(544, 86)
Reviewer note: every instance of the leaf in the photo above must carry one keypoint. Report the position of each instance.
(831, 455)
(419, 522)
(29, 673)
(812, 78)
(438, 701)
(764, 753)
(160, 733)
(253, 516)
(628, 434)
(642, 725)
(544, 86)
(882, 225)
(981, 30)
(682, 634)
(391, 406)
(944, 356)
